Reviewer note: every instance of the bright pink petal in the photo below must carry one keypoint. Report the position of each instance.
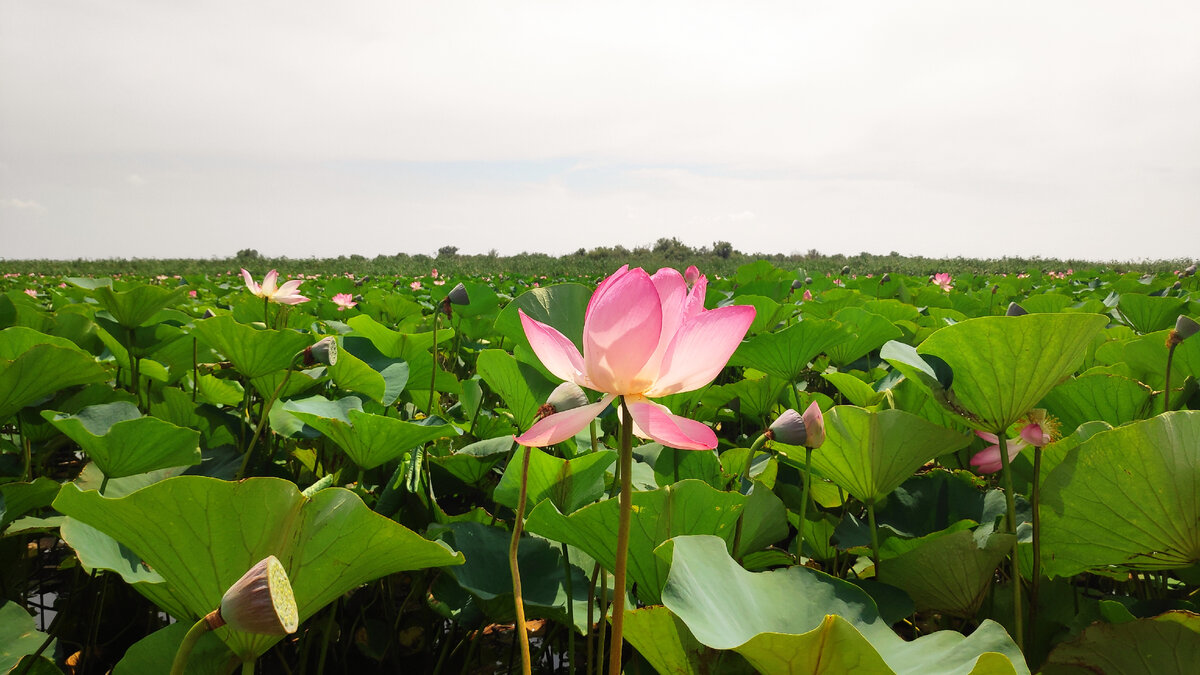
(672, 294)
(988, 459)
(701, 349)
(553, 349)
(989, 437)
(251, 283)
(559, 427)
(621, 333)
(603, 288)
(695, 300)
(1033, 435)
(658, 424)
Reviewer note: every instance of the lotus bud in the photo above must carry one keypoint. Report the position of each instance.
(324, 352)
(793, 428)
(814, 424)
(1015, 310)
(260, 602)
(1184, 328)
(691, 275)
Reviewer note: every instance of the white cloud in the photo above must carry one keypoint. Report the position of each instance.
(26, 205)
(135, 180)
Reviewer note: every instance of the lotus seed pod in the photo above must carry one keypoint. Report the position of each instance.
(1015, 310)
(458, 295)
(567, 396)
(1185, 327)
(208, 314)
(886, 278)
(845, 269)
(1189, 270)
(324, 352)
(797, 284)
(261, 601)
(808, 281)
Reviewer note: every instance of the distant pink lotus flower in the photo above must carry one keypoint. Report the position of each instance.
(62, 284)
(344, 301)
(433, 273)
(988, 459)
(287, 294)
(807, 295)
(943, 281)
(30, 292)
(416, 285)
(191, 294)
(643, 336)
(442, 282)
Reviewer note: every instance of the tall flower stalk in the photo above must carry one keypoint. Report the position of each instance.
(644, 336)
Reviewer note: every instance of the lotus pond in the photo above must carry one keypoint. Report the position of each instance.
(770, 472)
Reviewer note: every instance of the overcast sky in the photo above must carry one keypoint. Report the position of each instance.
(172, 129)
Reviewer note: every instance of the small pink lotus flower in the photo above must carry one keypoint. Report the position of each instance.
(643, 336)
(433, 273)
(942, 280)
(416, 285)
(287, 294)
(442, 282)
(344, 301)
(691, 274)
(1035, 433)
(30, 292)
(191, 294)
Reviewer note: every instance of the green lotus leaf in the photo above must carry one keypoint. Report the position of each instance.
(521, 386)
(1168, 644)
(362, 368)
(473, 463)
(19, 635)
(855, 390)
(797, 620)
(487, 576)
(1004, 365)
(123, 443)
(415, 349)
(1146, 358)
(665, 641)
(870, 332)
(1109, 398)
(253, 352)
(42, 370)
(686, 507)
(568, 484)
(1129, 496)
(17, 499)
(1046, 303)
(869, 454)
(949, 573)
(136, 306)
(1148, 314)
(16, 340)
(560, 305)
(202, 534)
(155, 653)
(786, 353)
(371, 440)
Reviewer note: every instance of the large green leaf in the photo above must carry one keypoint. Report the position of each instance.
(870, 332)
(561, 306)
(155, 653)
(253, 352)
(786, 353)
(797, 620)
(17, 499)
(371, 440)
(362, 368)
(1129, 496)
(202, 534)
(1004, 365)
(687, 507)
(415, 349)
(1168, 644)
(665, 641)
(568, 484)
(949, 573)
(869, 454)
(1148, 314)
(1111, 398)
(522, 387)
(41, 371)
(18, 635)
(122, 442)
(17, 340)
(136, 306)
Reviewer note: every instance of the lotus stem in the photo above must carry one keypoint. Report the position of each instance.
(433, 370)
(103, 484)
(754, 447)
(195, 371)
(193, 636)
(518, 600)
(603, 613)
(267, 312)
(1167, 384)
(262, 422)
(626, 512)
(1037, 542)
(874, 536)
(1011, 504)
(804, 500)
(570, 611)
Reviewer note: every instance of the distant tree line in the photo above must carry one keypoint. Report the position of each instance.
(720, 258)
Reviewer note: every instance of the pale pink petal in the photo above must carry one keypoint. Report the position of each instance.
(672, 294)
(989, 437)
(701, 349)
(655, 422)
(695, 300)
(553, 349)
(268, 284)
(559, 427)
(251, 283)
(621, 333)
(289, 287)
(290, 299)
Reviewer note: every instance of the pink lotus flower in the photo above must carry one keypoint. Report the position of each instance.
(433, 273)
(191, 294)
(807, 295)
(344, 301)
(287, 294)
(416, 285)
(942, 280)
(643, 336)
(30, 292)
(988, 459)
